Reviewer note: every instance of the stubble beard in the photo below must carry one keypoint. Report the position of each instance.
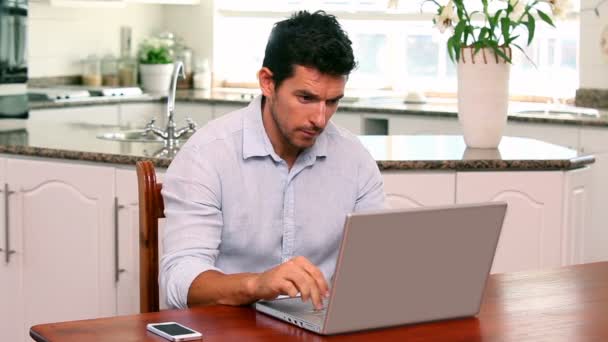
(291, 144)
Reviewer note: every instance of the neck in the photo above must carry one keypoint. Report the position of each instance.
(280, 144)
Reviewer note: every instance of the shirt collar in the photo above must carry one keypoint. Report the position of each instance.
(257, 144)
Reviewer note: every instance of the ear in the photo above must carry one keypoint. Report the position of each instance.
(266, 82)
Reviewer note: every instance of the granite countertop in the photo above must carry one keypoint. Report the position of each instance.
(369, 104)
(77, 141)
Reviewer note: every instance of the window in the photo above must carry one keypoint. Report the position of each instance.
(396, 48)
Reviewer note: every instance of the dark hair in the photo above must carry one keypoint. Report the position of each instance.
(312, 40)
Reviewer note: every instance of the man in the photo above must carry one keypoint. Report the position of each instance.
(256, 200)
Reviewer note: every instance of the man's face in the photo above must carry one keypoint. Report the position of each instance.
(302, 106)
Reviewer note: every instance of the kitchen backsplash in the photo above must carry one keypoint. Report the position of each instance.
(59, 37)
(593, 62)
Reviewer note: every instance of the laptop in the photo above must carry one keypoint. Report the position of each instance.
(403, 266)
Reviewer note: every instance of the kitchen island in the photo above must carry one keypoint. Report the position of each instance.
(71, 210)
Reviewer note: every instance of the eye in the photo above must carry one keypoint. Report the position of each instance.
(305, 98)
(333, 102)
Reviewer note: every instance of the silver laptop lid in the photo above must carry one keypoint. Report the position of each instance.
(407, 266)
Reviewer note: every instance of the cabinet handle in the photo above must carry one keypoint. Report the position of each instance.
(7, 244)
(117, 268)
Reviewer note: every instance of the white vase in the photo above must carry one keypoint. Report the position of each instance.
(483, 96)
(156, 78)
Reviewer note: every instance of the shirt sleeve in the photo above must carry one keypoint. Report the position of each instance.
(370, 195)
(193, 226)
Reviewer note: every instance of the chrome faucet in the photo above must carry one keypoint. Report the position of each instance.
(171, 135)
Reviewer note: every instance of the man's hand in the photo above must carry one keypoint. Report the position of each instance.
(289, 278)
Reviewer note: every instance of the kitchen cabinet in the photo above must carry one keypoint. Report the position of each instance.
(220, 109)
(60, 219)
(127, 229)
(423, 125)
(350, 121)
(595, 141)
(126, 115)
(410, 189)
(579, 237)
(11, 310)
(138, 115)
(90, 115)
(567, 136)
(201, 113)
(542, 215)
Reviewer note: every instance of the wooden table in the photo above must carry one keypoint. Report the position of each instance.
(565, 304)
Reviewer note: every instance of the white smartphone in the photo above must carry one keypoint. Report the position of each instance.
(173, 331)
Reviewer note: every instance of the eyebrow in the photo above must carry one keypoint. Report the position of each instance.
(315, 96)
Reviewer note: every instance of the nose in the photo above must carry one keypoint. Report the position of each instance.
(318, 117)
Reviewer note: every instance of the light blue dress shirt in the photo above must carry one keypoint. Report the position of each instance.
(233, 205)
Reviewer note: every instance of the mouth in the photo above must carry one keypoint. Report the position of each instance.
(308, 133)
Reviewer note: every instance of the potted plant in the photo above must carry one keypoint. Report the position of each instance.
(481, 44)
(155, 65)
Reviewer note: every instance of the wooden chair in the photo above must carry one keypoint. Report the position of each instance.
(151, 208)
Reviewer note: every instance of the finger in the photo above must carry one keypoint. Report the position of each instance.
(315, 295)
(308, 287)
(288, 288)
(315, 273)
(301, 280)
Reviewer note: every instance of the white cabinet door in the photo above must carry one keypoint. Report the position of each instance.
(127, 227)
(531, 233)
(127, 300)
(97, 115)
(581, 242)
(410, 189)
(567, 136)
(138, 115)
(423, 125)
(220, 109)
(63, 212)
(595, 141)
(201, 113)
(348, 120)
(11, 307)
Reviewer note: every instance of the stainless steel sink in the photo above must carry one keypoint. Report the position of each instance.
(138, 136)
(581, 112)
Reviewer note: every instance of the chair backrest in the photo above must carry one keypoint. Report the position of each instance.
(151, 208)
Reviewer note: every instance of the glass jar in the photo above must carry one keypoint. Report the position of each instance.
(184, 54)
(91, 71)
(202, 75)
(127, 72)
(109, 71)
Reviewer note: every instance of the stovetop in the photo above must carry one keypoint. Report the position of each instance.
(80, 93)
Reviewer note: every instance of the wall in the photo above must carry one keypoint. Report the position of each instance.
(60, 37)
(195, 25)
(594, 65)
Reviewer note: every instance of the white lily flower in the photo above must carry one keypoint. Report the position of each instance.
(446, 18)
(519, 7)
(560, 8)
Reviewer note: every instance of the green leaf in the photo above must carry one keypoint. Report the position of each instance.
(450, 46)
(482, 33)
(531, 25)
(458, 30)
(499, 52)
(505, 26)
(497, 15)
(511, 39)
(545, 17)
